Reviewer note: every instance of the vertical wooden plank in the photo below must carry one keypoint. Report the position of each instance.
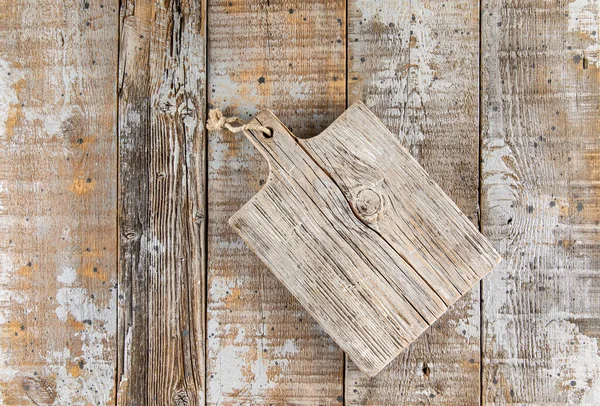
(263, 348)
(57, 202)
(541, 201)
(415, 63)
(161, 202)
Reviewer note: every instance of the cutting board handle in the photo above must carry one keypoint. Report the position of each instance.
(279, 147)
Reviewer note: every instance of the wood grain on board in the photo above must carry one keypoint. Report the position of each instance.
(355, 229)
(416, 64)
(58, 203)
(541, 201)
(161, 203)
(262, 346)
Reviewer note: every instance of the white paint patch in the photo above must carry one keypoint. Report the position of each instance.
(259, 368)
(134, 119)
(301, 90)
(584, 19)
(230, 366)
(3, 191)
(67, 276)
(8, 95)
(245, 367)
(592, 395)
(57, 108)
(468, 327)
(240, 335)
(289, 348)
(221, 288)
(426, 392)
(220, 156)
(151, 244)
(96, 381)
(228, 363)
(577, 359)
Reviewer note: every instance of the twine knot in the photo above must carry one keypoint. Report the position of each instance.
(217, 121)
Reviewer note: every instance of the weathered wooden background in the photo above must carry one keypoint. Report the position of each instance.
(120, 279)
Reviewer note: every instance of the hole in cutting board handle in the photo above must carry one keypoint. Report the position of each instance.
(269, 135)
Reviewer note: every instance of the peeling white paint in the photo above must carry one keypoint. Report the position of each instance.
(468, 327)
(8, 95)
(230, 366)
(3, 191)
(289, 348)
(576, 357)
(592, 395)
(240, 335)
(300, 90)
(67, 276)
(134, 120)
(96, 381)
(53, 112)
(221, 288)
(221, 158)
(247, 366)
(584, 19)
(152, 244)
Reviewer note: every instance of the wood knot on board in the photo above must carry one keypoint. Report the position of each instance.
(217, 121)
(181, 398)
(368, 203)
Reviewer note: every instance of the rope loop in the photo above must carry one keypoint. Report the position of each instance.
(217, 121)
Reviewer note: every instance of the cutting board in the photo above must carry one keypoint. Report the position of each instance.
(358, 232)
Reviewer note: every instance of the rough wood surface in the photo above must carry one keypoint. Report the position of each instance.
(58, 203)
(393, 196)
(541, 201)
(262, 347)
(416, 64)
(360, 235)
(161, 203)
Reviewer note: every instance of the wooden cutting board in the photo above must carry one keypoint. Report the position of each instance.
(358, 232)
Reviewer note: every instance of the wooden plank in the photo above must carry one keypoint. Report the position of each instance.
(57, 202)
(415, 63)
(289, 56)
(161, 203)
(541, 201)
(351, 224)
